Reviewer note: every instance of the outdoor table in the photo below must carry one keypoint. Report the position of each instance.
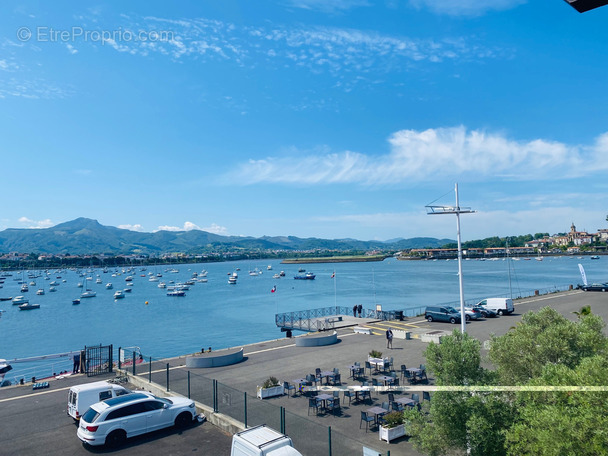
(376, 362)
(300, 382)
(324, 398)
(388, 380)
(327, 374)
(415, 371)
(365, 392)
(405, 401)
(377, 411)
(353, 368)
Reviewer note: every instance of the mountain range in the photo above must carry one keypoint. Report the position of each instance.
(85, 236)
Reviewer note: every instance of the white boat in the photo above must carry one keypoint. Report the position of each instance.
(24, 288)
(88, 294)
(40, 291)
(54, 283)
(128, 290)
(162, 285)
(98, 280)
(76, 301)
(79, 285)
(153, 279)
(119, 294)
(269, 267)
(28, 306)
(109, 286)
(176, 293)
(232, 279)
(17, 300)
(52, 289)
(276, 276)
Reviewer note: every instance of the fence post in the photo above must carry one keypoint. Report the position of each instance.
(150, 371)
(281, 410)
(119, 351)
(215, 407)
(329, 438)
(167, 376)
(188, 384)
(245, 402)
(284, 420)
(133, 362)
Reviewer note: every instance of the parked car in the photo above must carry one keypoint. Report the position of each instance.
(444, 313)
(472, 313)
(595, 287)
(502, 306)
(114, 420)
(81, 397)
(485, 312)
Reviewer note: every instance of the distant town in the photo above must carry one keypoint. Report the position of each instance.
(571, 243)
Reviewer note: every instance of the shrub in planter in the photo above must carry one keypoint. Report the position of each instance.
(393, 427)
(393, 419)
(270, 382)
(375, 354)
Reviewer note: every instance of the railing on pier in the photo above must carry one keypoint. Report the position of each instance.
(316, 319)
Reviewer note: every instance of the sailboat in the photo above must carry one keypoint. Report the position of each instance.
(88, 293)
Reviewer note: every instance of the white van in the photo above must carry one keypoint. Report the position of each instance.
(262, 441)
(81, 397)
(501, 306)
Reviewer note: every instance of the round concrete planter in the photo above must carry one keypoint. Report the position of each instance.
(317, 339)
(215, 359)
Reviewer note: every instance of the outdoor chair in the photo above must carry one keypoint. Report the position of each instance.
(337, 393)
(368, 366)
(287, 387)
(397, 407)
(318, 372)
(312, 404)
(367, 419)
(349, 394)
(336, 379)
(375, 382)
(416, 398)
(423, 372)
(386, 366)
(391, 397)
(396, 382)
(390, 362)
(403, 370)
(334, 405)
(336, 370)
(426, 396)
(385, 406)
(409, 378)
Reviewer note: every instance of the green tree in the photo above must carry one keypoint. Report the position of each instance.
(545, 337)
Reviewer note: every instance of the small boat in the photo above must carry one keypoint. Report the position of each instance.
(28, 306)
(202, 279)
(10, 298)
(276, 276)
(54, 283)
(119, 294)
(153, 279)
(176, 293)
(128, 290)
(232, 279)
(301, 270)
(109, 286)
(88, 294)
(98, 280)
(17, 300)
(24, 288)
(129, 279)
(269, 267)
(79, 285)
(76, 301)
(52, 289)
(162, 285)
(282, 273)
(307, 276)
(594, 257)
(40, 291)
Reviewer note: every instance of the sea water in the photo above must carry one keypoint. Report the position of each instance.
(217, 314)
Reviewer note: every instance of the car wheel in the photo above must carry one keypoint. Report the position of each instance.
(500, 312)
(116, 438)
(183, 420)
(429, 319)
(453, 320)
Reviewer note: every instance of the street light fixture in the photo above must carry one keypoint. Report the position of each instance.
(442, 210)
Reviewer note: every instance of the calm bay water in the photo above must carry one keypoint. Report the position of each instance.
(220, 315)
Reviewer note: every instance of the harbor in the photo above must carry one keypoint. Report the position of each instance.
(227, 394)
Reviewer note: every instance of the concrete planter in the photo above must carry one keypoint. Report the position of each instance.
(389, 434)
(270, 392)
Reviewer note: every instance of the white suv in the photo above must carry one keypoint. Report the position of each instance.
(112, 421)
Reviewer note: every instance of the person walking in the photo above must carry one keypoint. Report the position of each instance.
(389, 338)
(359, 308)
(76, 367)
(355, 310)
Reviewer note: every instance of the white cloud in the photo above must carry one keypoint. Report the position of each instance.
(35, 224)
(433, 154)
(188, 226)
(466, 7)
(136, 227)
(328, 6)
(216, 229)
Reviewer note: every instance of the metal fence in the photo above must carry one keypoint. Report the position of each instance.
(309, 437)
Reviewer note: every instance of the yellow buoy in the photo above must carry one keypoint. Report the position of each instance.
(146, 302)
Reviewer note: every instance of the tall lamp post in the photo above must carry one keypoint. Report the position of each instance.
(437, 210)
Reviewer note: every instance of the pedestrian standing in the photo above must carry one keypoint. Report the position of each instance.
(355, 310)
(389, 338)
(76, 367)
(360, 309)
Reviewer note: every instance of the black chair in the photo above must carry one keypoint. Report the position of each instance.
(408, 376)
(287, 387)
(312, 404)
(385, 406)
(416, 398)
(317, 372)
(368, 366)
(390, 362)
(397, 407)
(349, 394)
(367, 419)
(391, 397)
(423, 372)
(403, 370)
(334, 405)
(396, 382)
(426, 396)
(336, 379)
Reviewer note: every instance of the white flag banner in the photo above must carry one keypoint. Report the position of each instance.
(583, 275)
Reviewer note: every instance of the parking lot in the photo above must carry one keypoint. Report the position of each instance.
(36, 423)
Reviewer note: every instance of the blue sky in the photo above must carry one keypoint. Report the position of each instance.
(312, 118)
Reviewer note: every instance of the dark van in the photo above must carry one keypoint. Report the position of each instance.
(444, 313)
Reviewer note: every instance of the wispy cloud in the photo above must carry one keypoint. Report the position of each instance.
(216, 229)
(465, 7)
(35, 224)
(433, 154)
(188, 226)
(136, 227)
(327, 6)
